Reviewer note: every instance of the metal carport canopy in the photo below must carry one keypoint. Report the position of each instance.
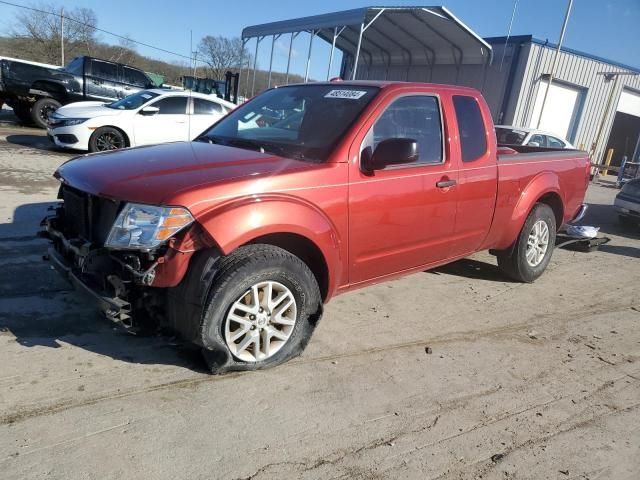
(385, 36)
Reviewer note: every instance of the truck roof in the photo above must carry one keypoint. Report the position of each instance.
(388, 84)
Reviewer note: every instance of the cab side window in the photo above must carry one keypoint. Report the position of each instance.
(473, 133)
(135, 77)
(172, 106)
(415, 117)
(104, 70)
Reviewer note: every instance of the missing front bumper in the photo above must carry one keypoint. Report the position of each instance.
(114, 308)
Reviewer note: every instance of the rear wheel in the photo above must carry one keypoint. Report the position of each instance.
(530, 255)
(42, 109)
(261, 311)
(105, 139)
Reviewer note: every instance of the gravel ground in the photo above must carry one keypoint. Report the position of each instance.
(534, 381)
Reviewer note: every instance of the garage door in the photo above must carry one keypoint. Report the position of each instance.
(629, 103)
(561, 109)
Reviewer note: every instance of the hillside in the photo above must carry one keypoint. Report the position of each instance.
(172, 72)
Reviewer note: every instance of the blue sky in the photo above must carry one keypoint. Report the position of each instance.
(607, 28)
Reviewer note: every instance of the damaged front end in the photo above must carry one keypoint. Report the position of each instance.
(125, 256)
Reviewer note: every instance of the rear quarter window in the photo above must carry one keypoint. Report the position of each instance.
(473, 134)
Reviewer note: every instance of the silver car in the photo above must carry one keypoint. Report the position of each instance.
(627, 203)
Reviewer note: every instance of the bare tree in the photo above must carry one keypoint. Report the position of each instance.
(43, 31)
(221, 54)
(125, 52)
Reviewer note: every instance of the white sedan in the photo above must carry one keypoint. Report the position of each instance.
(143, 118)
(509, 135)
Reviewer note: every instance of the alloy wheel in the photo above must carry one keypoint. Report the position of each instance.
(260, 322)
(109, 141)
(537, 243)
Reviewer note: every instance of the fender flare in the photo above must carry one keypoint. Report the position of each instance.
(49, 88)
(240, 221)
(542, 184)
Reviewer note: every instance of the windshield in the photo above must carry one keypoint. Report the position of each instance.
(510, 136)
(133, 101)
(299, 121)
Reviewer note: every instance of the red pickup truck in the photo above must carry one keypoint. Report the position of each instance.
(237, 239)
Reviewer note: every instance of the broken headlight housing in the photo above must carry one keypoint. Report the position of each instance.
(145, 226)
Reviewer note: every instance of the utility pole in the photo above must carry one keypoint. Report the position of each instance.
(62, 36)
(555, 61)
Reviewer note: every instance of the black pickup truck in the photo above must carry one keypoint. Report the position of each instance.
(34, 91)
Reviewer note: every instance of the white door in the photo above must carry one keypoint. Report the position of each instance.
(168, 125)
(629, 103)
(205, 114)
(560, 110)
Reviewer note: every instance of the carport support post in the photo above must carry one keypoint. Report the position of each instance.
(293, 35)
(306, 70)
(241, 61)
(273, 43)
(255, 65)
(333, 47)
(355, 63)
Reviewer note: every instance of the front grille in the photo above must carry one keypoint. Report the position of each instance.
(87, 216)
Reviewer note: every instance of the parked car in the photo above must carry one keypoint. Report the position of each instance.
(237, 239)
(509, 135)
(35, 91)
(627, 203)
(143, 118)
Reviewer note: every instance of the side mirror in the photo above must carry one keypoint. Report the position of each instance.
(533, 144)
(392, 151)
(149, 110)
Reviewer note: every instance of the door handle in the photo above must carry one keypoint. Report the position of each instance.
(445, 183)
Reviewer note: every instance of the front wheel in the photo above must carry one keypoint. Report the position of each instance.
(42, 109)
(105, 139)
(530, 255)
(261, 311)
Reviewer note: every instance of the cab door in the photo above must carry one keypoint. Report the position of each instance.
(478, 173)
(403, 216)
(169, 124)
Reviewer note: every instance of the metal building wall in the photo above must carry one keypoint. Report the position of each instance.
(582, 72)
(510, 84)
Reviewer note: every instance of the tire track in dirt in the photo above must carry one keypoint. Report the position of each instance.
(471, 335)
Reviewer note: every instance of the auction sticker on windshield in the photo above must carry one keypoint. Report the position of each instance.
(352, 94)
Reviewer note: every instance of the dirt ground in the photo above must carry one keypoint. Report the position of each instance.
(534, 381)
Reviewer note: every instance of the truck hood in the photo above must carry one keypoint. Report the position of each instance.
(156, 174)
(86, 110)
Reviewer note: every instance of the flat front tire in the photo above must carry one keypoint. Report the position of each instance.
(261, 310)
(528, 258)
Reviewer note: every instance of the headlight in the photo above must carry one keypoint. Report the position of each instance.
(146, 226)
(68, 122)
(57, 121)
